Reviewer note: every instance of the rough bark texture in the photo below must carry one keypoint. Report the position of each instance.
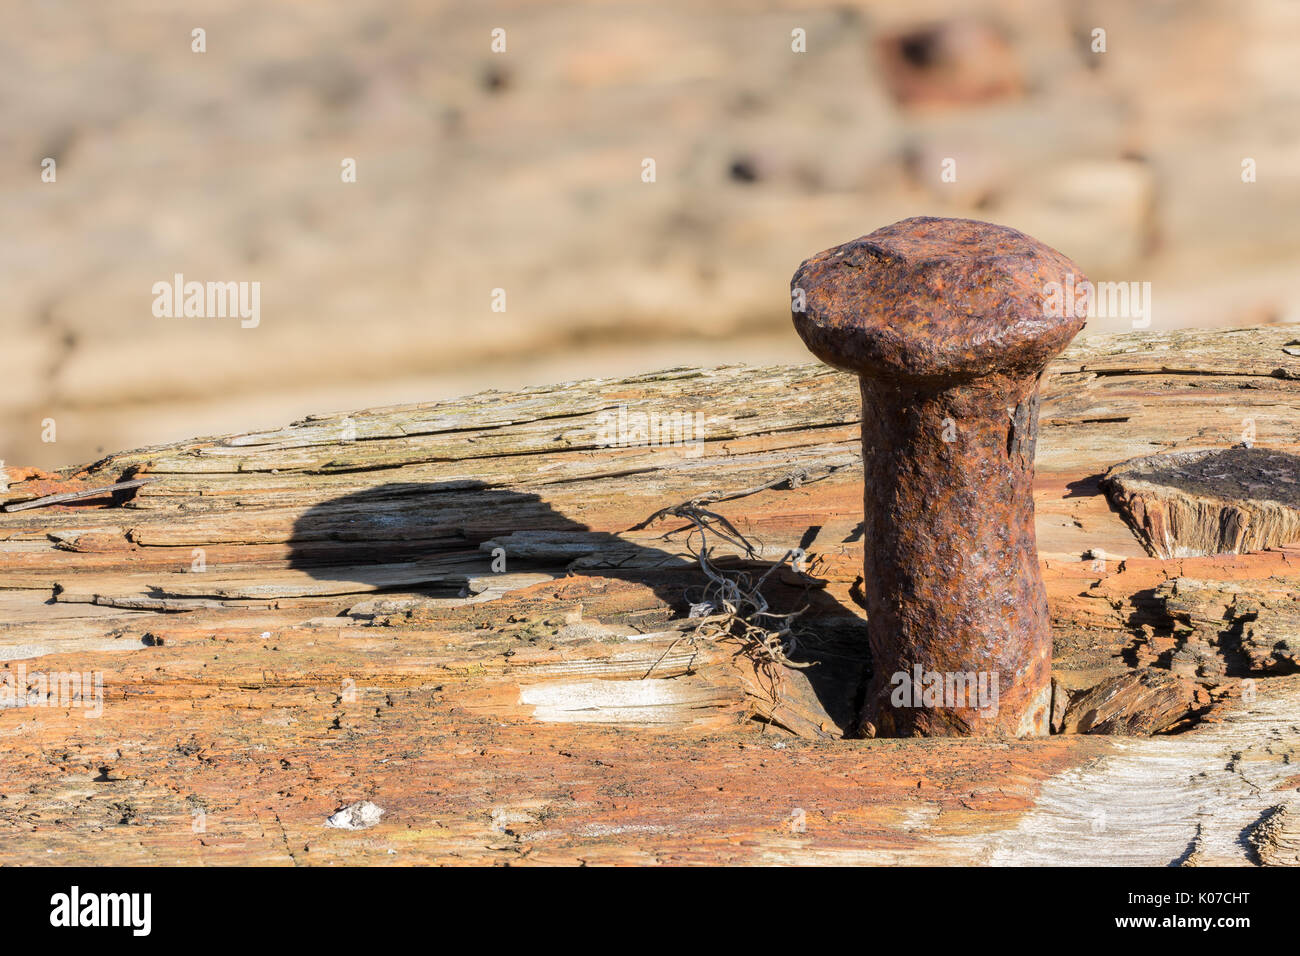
(289, 623)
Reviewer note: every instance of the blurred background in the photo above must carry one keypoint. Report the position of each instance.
(523, 170)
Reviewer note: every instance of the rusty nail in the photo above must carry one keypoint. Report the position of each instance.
(949, 324)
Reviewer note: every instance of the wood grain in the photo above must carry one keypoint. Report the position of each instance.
(288, 622)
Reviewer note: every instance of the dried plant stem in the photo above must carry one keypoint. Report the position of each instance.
(732, 607)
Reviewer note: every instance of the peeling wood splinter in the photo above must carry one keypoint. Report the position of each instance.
(78, 495)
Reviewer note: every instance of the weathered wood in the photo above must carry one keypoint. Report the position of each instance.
(1253, 625)
(1209, 501)
(290, 622)
(1276, 838)
(1138, 703)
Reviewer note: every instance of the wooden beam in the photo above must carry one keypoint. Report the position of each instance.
(454, 610)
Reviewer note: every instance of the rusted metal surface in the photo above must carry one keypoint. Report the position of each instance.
(944, 322)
